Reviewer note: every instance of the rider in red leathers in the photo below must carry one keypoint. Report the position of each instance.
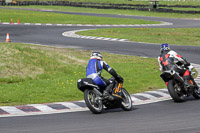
(169, 59)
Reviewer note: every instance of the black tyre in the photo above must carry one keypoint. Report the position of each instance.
(93, 101)
(175, 91)
(196, 93)
(126, 100)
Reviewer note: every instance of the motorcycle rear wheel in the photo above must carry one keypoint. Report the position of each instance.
(93, 102)
(126, 100)
(175, 91)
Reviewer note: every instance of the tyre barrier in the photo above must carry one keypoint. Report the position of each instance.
(181, 6)
(140, 7)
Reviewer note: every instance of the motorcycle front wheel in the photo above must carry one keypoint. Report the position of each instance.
(126, 100)
(196, 93)
(93, 101)
(175, 91)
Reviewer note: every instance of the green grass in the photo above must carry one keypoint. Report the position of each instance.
(112, 11)
(175, 36)
(58, 18)
(38, 74)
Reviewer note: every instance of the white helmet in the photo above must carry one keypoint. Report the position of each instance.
(96, 55)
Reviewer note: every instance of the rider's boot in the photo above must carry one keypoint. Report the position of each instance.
(195, 84)
(106, 93)
(188, 82)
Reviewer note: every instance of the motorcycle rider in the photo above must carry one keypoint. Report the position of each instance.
(167, 60)
(94, 69)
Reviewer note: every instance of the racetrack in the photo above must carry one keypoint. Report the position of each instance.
(52, 35)
(161, 117)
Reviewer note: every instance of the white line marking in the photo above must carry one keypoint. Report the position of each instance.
(145, 95)
(5, 23)
(159, 93)
(12, 110)
(134, 99)
(42, 107)
(38, 24)
(70, 105)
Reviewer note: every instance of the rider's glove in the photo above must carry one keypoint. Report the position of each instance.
(119, 79)
(187, 64)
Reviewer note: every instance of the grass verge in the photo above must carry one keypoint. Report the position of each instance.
(113, 11)
(176, 36)
(59, 18)
(39, 74)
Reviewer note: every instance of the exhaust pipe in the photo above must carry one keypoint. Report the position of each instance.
(98, 92)
(176, 76)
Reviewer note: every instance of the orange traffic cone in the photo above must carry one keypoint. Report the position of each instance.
(11, 21)
(7, 38)
(18, 21)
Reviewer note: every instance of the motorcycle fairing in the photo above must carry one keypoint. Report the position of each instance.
(117, 91)
(166, 76)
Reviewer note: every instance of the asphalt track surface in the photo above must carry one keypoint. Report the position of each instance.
(161, 117)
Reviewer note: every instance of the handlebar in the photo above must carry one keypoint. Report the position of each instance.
(115, 79)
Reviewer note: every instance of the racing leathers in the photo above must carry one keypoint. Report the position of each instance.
(170, 59)
(94, 69)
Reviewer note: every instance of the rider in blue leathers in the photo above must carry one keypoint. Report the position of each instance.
(94, 69)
